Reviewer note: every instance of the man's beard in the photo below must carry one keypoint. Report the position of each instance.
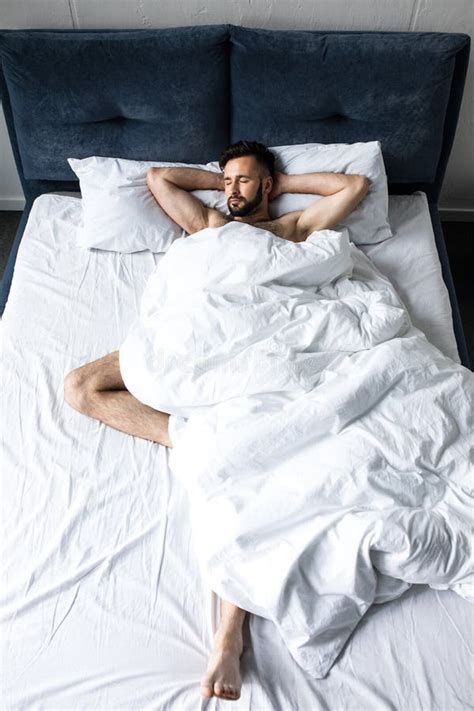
(248, 206)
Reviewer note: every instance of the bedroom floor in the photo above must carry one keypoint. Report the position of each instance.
(459, 240)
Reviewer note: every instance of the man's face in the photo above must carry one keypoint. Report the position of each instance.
(244, 186)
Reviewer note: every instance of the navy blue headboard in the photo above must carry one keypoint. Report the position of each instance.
(342, 87)
(184, 93)
(159, 94)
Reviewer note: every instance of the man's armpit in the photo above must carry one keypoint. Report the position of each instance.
(217, 218)
(289, 226)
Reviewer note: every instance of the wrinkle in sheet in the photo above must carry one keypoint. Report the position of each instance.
(464, 640)
(155, 575)
(98, 682)
(149, 677)
(82, 571)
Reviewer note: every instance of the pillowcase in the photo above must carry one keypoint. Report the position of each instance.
(121, 214)
(368, 223)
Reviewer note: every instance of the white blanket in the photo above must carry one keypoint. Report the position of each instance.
(328, 445)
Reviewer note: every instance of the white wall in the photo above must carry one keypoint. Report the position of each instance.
(397, 15)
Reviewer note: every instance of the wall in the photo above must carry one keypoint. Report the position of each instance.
(398, 15)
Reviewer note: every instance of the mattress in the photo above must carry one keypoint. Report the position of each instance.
(102, 602)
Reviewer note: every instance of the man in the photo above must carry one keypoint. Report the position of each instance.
(249, 181)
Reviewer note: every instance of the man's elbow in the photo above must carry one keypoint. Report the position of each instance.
(361, 185)
(153, 175)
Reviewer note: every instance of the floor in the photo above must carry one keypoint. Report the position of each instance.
(459, 237)
(459, 241)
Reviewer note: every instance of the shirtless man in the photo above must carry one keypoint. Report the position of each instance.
(249, 181)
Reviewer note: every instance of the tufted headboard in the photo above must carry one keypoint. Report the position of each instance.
(185, 93)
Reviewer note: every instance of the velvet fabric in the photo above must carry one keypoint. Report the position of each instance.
(339, 86)
(182, 94)
(151, 95)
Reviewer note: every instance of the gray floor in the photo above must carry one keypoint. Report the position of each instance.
(459, 240)
(459, 237)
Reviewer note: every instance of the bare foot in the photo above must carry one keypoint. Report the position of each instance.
(222, 677)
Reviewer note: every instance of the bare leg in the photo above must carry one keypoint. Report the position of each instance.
(222, 677)
(97, 390)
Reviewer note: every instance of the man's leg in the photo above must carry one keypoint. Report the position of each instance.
(97, 390)
(222, 677)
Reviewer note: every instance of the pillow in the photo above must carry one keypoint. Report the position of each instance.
(368, 223)
(121, 214)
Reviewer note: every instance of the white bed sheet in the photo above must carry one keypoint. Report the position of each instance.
(411, 262)
(102, 604)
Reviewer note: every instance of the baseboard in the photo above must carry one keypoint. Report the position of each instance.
(456, 214)
(12, 204)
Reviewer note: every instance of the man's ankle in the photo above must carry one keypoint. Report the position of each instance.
(229, 639)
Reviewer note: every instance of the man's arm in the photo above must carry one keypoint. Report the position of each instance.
(342, 193)
(172, 187)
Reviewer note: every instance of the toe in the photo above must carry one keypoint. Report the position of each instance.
(206, 691)
(219, 690)
(223, 691)
(231, 692)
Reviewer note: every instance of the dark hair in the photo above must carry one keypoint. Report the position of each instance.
(262, 154)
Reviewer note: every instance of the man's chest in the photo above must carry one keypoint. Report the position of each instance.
(283, 229)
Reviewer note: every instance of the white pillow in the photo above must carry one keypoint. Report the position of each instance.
(368, 223)
(121, 214)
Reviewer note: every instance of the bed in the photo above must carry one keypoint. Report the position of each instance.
(103, 604)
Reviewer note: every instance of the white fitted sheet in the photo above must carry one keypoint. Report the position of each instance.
(102, 602)
(411, 262)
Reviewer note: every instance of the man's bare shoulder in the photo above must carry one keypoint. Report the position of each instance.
(213, 218)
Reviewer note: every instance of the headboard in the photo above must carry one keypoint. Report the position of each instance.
(185, 93)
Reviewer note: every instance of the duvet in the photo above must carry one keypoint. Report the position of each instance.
(325, 444)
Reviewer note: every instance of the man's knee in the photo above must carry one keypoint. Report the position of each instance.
(77, 390)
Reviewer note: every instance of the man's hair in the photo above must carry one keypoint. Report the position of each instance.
(262, 154)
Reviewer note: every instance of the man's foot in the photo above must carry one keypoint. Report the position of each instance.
(222, 677)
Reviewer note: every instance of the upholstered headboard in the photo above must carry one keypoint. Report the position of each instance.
(183, 94)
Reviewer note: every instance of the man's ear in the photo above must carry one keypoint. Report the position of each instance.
(267, 184)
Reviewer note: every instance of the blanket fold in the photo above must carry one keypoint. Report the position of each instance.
(325, 444)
